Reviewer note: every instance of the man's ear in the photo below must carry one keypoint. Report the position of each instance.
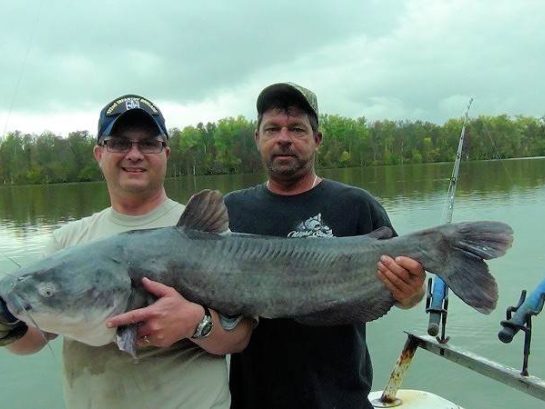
(256, 136)
(97, 152)
(318, 139)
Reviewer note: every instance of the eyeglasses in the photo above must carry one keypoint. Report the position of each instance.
(123, 145)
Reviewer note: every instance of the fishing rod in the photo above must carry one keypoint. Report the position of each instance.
(437, 298)
(33, 34)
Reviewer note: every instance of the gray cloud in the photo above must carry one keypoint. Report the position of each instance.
(418, 59)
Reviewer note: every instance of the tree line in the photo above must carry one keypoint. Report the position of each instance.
(227, 146)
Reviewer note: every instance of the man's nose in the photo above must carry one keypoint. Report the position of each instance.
(134, 151)
(284, 135)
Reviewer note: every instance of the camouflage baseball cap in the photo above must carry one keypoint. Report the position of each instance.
(287, 92)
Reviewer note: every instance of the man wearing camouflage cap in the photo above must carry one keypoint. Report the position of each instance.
(287, 364)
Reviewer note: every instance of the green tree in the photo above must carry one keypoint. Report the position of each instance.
(228, 146)
(13, 159)
(231, 139)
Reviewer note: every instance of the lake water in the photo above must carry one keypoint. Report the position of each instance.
(512, 191)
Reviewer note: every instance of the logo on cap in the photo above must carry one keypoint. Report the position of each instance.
(132, 103)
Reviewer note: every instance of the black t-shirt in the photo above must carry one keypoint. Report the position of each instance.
(291, 365)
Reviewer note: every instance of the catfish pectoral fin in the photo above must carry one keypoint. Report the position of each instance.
(126, 339)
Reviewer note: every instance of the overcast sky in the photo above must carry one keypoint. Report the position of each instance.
(62, 60)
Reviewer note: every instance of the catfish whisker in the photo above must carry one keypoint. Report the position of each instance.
(43, 333)
(10, 259)
(9, 275)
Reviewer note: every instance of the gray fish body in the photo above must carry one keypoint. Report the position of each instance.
(319, 281)
(322, 281)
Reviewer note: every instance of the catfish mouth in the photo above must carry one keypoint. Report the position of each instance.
(11, 287)
(6, 312)
(11, 304)
(16, 307)
(21, 311)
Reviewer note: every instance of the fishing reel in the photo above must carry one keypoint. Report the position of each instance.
(437, 307)
(522, 320)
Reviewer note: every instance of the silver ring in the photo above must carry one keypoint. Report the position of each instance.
(146, 340)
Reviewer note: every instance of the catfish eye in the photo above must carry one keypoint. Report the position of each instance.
(47, 289)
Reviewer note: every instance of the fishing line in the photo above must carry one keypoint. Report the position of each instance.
(486, 133)
(496, 152)
(23, 67)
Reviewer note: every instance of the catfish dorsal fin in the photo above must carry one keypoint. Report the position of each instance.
(205, 211)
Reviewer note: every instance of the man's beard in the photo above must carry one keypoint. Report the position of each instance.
(287, 171)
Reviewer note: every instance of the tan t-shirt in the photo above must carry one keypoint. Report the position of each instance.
(182, 376)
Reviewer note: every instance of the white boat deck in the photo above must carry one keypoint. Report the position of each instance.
(413, 399)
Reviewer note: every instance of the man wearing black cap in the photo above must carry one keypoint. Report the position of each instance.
(286, 364)
(189, 371)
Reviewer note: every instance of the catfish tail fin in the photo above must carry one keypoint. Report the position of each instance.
(465, 247)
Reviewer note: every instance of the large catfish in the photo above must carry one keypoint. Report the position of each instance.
(320, 281)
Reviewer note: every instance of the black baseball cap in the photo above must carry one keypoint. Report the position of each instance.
(115, 109)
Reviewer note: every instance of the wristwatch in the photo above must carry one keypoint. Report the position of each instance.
(204, 327)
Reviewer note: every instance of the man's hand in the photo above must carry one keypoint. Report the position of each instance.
(172, 318)
(166, 321)
(404, 277)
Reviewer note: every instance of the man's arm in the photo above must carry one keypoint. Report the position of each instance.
(172, 318)
(17, 336)
(33, 341)
(404, 277)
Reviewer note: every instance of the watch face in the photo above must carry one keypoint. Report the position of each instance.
(205, 326)
(206, 329)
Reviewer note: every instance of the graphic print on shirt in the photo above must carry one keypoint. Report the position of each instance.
(312, 227)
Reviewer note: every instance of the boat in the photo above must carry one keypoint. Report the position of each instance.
(437, 307)
(393, 396)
